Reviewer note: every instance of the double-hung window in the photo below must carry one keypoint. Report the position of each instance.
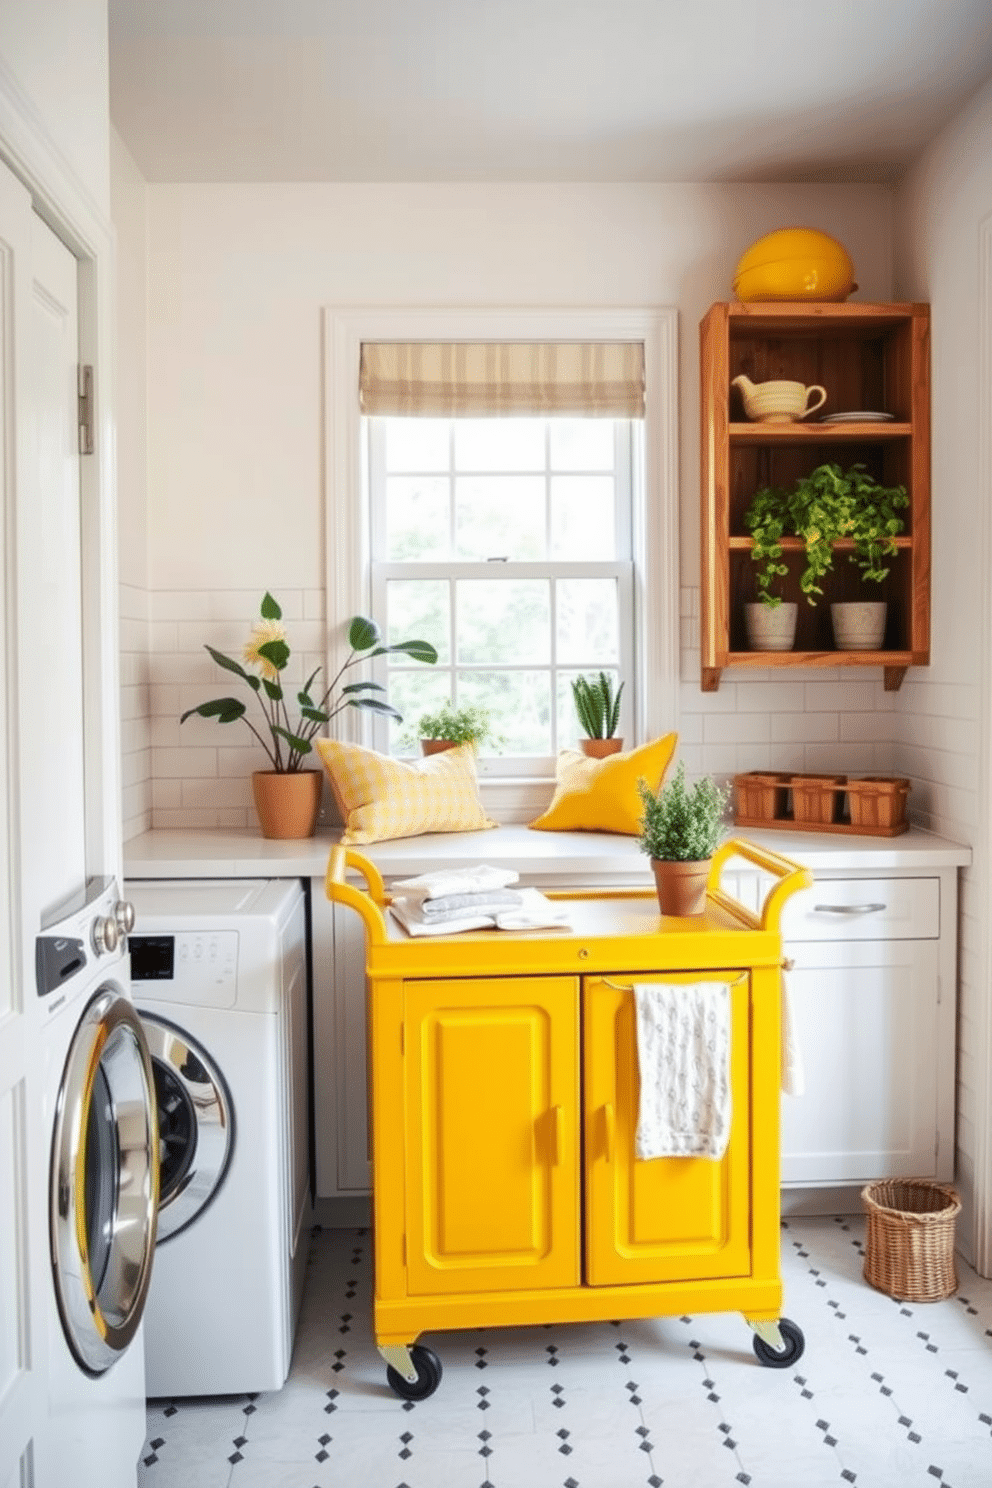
(530, 541)
(503, 534)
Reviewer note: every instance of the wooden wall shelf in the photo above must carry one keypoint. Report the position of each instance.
(867, 357)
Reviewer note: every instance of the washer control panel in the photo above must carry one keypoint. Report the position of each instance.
(194, 966)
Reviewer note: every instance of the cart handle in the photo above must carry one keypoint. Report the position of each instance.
(791, 878)
(369, 904)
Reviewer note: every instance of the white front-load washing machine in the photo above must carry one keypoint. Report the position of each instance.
(219, 977)
(101, 1150)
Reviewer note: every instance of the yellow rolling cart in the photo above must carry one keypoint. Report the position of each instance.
(504, 1094)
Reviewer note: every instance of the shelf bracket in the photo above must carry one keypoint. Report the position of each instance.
(893, 677)
(709, 680)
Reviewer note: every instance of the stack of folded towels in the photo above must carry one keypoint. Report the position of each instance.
(479, 898)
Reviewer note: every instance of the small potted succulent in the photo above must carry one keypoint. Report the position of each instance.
(598, 709)
(287, 795)
(450, 726)
(822, 508)
(680, 830)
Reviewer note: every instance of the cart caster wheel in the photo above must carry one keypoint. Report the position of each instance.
(793, 1341)
(428, 1367)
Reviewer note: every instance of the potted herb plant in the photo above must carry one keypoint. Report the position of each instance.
(449, 726)
(680, 831)
(598, 709)
(824, 507)
(287, 795)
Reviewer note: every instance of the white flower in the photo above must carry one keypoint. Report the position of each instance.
(262, 632)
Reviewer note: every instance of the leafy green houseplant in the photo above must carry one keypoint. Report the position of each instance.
(824, 507)
(287, 741)
(287, 796)
(598, 709)
(470, 724)
(680, 831)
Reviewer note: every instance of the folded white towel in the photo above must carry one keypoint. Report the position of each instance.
(534, 912)
(683, 1052)
(455, 881)
(793, 1075)
(480, 903)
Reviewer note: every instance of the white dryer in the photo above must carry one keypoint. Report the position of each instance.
(100, 1127)
(219, 976)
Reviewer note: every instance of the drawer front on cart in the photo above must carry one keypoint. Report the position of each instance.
(864, 909)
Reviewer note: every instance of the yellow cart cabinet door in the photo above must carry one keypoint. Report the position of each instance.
(492, 1115)
(672, 1218)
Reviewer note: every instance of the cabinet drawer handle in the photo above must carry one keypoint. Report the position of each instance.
(849, 909)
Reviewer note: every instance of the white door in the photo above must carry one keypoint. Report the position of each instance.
(23, 1179)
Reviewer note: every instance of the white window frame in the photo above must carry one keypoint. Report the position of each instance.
(655, 534)
(618, 570)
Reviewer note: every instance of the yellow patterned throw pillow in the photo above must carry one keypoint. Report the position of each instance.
(600, 795)
(379, 797)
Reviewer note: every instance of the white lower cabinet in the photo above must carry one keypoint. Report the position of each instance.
(872, 988)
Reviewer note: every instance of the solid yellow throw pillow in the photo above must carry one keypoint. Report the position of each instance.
(600, 795)
(379, 797)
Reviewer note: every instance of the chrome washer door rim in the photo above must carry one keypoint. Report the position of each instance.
(108, 1079)
(189, 1064)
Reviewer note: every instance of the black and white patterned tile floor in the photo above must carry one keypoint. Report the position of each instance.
(887, 1395)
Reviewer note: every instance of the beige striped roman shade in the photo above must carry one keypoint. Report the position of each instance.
(479, 379)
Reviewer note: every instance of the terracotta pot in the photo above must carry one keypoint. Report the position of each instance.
(287, 805)
(436, 746)
(600, 748)
(681, 886)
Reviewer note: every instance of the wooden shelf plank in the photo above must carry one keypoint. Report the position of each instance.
(799, 434)
(796, 544)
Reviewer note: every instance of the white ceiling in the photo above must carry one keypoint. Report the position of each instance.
(539, 90)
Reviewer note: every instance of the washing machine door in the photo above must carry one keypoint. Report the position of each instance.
(196, 1124)
(104, 1182)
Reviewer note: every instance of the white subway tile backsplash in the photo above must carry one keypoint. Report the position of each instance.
(770, 697)
(185, 763)
(804, 727)
(736, 728)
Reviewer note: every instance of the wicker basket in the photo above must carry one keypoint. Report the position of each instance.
(909, 1253)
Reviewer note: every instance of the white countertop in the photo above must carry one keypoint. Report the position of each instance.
(574, 858)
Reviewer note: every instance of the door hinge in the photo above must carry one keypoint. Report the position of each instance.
(84, 417)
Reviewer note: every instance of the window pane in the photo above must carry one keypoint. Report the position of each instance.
(498, 516)
(520, 704)
(499, 444)
(582, 444)
(569, 728)
(508, 621)
(588, 628)
(417, 444)
(413, 693)
(418, 610)
(418, 517)
(583, 522)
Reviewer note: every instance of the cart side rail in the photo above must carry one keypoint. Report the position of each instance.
(370, 902)
(790, 878)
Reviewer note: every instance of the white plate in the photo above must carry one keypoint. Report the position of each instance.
(859, 416)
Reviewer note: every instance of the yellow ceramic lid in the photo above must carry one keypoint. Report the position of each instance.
(795, 263)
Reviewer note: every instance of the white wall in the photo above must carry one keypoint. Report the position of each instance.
(237, 277)
(942, 716)
(128, 210)
(55, 57)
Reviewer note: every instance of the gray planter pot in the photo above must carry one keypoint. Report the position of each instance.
(859, 625)
(771, 628)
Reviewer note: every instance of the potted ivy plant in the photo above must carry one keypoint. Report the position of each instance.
(449, 726)
(824, 507)
(598, 709)
(287, 795)
(680, 830)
